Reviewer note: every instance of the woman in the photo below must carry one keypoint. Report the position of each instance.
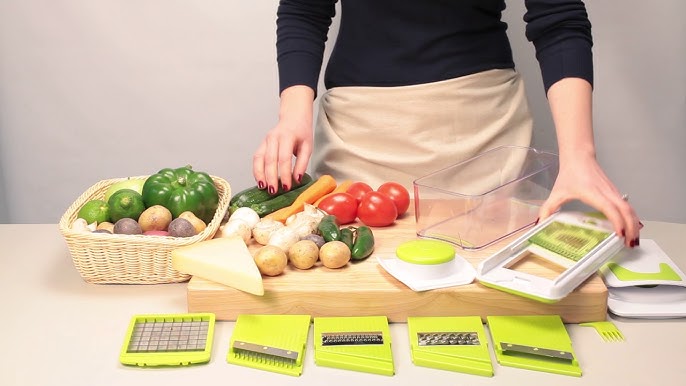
(415, 86)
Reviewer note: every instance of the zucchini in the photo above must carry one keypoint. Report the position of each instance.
(255, 195)
(278, 202)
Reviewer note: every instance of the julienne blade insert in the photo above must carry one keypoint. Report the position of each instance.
(358, 343)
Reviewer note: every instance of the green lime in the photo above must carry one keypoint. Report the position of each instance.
(129, 183)
(95, 211)
(125, 203)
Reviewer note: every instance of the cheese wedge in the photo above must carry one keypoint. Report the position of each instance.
(225, 260)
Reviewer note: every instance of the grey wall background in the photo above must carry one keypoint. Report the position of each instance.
(91, 90)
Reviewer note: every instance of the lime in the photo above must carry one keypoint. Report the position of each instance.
(125, 203)
(129, 183)
(95, 211)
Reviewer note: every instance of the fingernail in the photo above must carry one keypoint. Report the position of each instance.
(285, 188)
(632, 243)
(299, 178)
(260, 185)
(637, 241)
(623, 233)
(271, 190)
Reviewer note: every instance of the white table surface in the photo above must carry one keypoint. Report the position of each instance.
(59, 330)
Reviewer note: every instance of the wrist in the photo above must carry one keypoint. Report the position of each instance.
(296, 104)
(576, 153)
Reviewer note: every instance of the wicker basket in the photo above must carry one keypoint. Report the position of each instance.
(103, 258)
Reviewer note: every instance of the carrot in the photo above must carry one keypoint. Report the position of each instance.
(341, 188)
(322, 186)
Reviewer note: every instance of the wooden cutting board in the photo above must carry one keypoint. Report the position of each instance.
(366, 289)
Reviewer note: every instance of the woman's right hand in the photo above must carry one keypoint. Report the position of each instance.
(292, 136)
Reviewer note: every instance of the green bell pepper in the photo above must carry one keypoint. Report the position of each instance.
(182, 189)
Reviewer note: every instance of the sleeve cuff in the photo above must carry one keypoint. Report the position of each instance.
(298, 69)
(568, 60)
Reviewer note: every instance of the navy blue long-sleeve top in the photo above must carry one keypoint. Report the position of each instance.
(406, 42)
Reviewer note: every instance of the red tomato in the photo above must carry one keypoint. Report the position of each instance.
(342, 205)
(377, 210)
(397, 193)
(358, 190)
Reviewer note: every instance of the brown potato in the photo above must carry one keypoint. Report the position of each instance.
(271, 260)
(198, 224)
(303, 254)
(155, 218)
(334, 254)
(108, 226)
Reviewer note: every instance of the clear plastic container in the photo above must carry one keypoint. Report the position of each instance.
(486, 198)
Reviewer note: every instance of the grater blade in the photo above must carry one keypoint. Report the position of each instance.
(453, 338)
(352, 338)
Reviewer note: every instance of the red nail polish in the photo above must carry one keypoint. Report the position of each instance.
(271, 190)
(632, 243)
(285, 188)
(637, 241)
(260, 185)
(623, 233)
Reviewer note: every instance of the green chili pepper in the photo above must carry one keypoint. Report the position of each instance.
(329, 229)
(364, 243)
(347, 236)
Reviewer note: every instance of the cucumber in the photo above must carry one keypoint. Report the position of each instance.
(255, 195)
(278, 202)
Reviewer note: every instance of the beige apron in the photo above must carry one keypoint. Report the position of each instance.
(379, 134)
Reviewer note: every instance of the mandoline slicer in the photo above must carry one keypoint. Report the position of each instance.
(450, 343)
(273, 343)
(168, 340)
(359, 343)
(533, 342)
(575, 242)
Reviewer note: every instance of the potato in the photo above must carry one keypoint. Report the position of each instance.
(197, 223)
(334, 254)
(303, 254)
(271, 260)
(180, 227)
(108, 226)
(155, 218)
